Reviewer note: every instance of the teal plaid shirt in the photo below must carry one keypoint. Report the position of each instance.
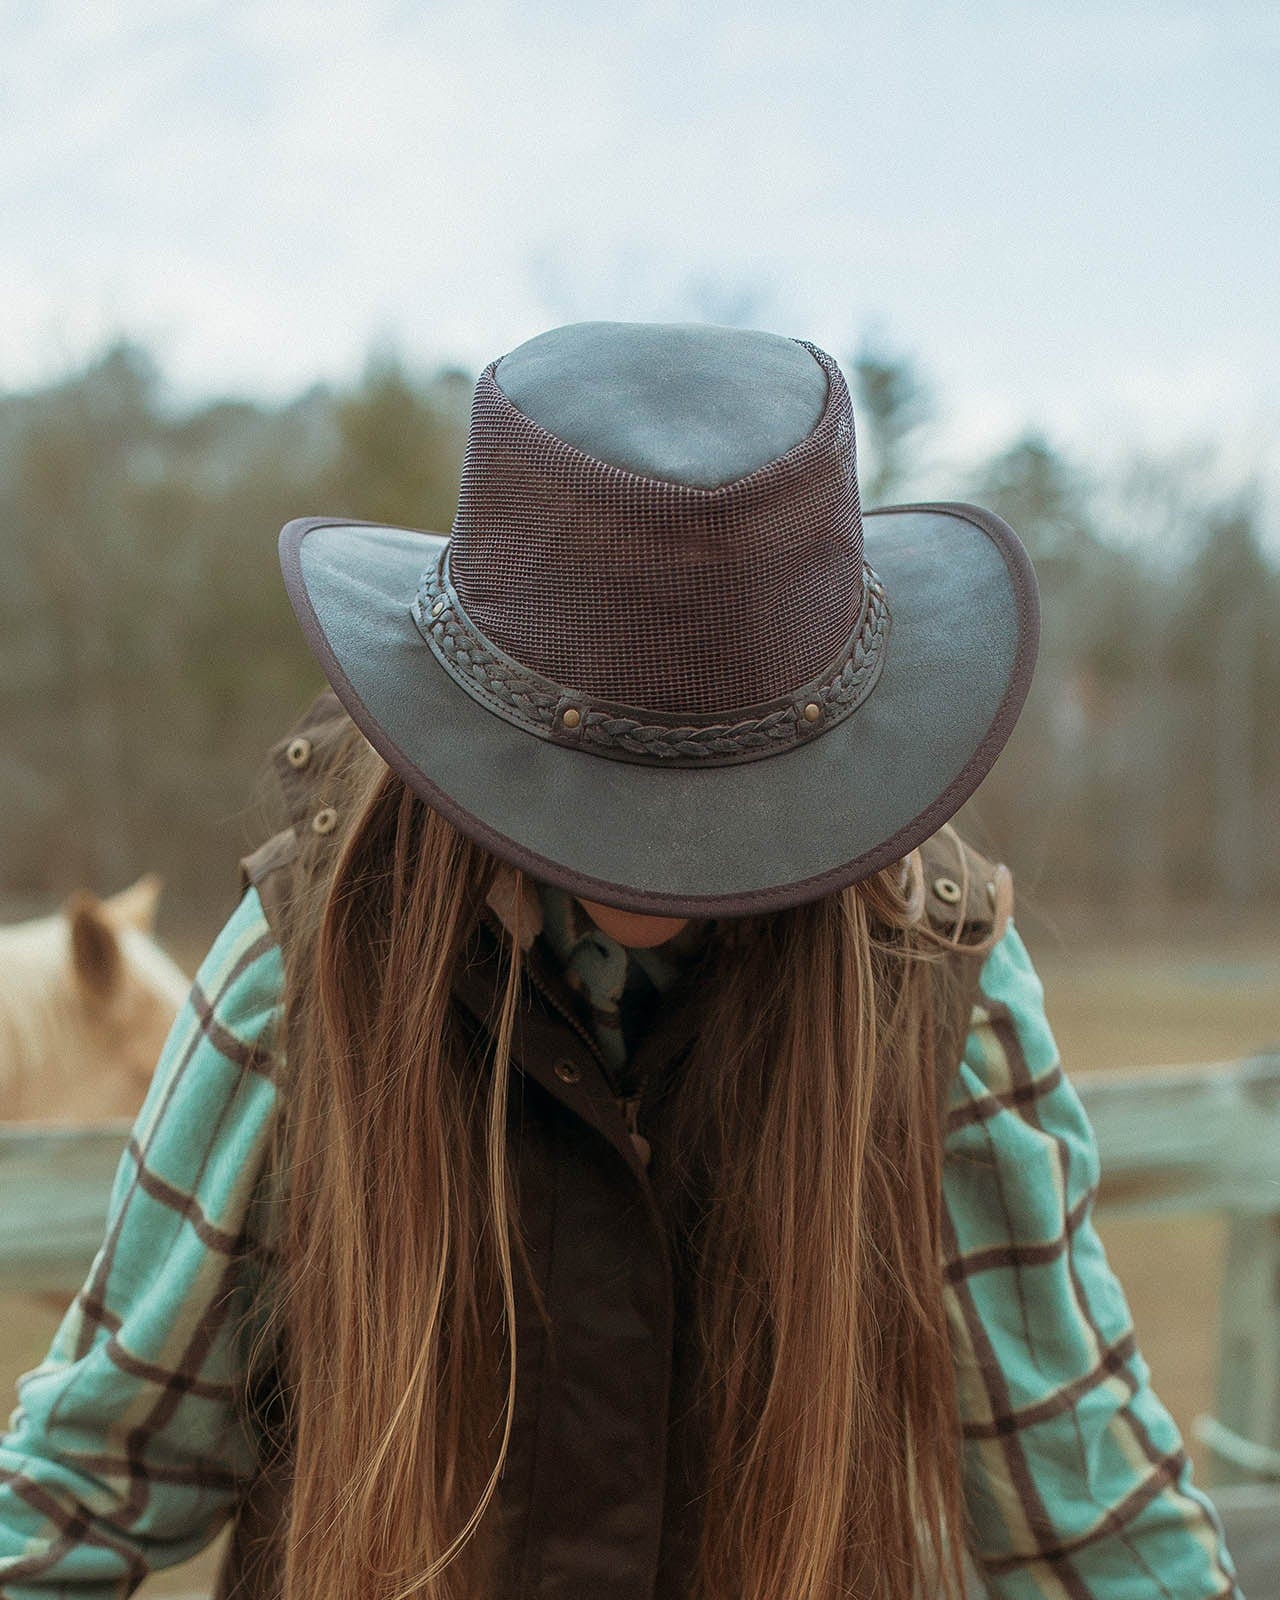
(123, 1454)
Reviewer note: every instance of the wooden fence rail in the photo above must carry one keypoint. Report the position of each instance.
(1207, 1139)
(54, 1188)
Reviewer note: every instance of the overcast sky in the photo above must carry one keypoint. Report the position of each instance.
(1066, 213)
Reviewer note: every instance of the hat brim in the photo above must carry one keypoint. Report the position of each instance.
(686, 841)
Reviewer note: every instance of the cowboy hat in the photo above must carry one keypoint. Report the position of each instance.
(664, 659)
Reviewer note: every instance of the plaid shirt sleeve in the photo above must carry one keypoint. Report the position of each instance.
(1077, 1484)
(123, 1454)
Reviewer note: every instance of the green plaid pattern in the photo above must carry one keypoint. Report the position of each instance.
(124, 1456)
(1076, 1480)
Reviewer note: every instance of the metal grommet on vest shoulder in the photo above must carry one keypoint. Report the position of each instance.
(299, 752)
(566, 1070)
(947, 889)
(325, 820)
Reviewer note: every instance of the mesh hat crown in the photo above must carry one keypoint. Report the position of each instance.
(601, 589)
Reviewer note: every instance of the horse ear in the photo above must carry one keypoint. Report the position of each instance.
(135, 907)
(96, 961)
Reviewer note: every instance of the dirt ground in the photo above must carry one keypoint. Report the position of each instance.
(1209, 992)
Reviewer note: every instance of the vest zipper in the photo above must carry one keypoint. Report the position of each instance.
(574, 1022)
(630, 1108)
(629, 1105)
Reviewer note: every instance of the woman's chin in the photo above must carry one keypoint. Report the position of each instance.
(633, 928)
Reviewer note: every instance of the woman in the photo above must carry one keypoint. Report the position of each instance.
(567, 1177)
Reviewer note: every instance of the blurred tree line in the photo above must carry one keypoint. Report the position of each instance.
(150, 655)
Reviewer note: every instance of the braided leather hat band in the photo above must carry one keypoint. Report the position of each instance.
(638, 734)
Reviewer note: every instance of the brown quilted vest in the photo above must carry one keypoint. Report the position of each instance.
(578, 1520)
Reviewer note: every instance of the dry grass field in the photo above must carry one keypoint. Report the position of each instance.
(1203, 993)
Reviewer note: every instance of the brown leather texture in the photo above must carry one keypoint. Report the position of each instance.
(570, 1518)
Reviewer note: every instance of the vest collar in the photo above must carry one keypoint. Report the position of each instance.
(549, 1039)
(514, 901)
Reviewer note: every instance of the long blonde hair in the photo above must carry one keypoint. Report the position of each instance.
(806, 1120)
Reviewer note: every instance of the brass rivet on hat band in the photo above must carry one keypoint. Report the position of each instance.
(572, 717)
(947, 889)
(299, 752)
(437, 608)
(324, 820)
(812, 711)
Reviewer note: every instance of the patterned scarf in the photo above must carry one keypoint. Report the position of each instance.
(620, 986)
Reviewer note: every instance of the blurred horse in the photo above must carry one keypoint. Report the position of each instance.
(86, 1001)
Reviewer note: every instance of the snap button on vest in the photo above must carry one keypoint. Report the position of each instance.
(566, 1071)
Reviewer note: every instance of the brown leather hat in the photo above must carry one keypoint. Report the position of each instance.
(664, 659)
